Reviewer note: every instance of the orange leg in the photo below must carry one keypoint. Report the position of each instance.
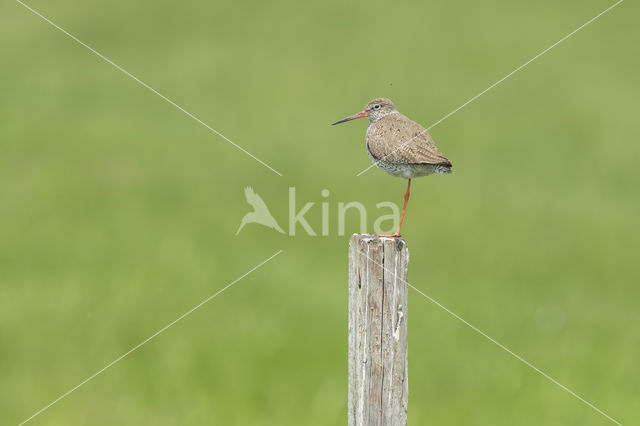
(404, 208)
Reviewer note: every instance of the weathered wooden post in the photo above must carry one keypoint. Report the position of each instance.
(378, 380)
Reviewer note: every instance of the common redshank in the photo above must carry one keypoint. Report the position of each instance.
(399, 146)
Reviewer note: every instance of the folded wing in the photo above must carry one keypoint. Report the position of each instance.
(397, 139)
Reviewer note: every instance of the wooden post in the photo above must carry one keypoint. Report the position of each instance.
(378, 380)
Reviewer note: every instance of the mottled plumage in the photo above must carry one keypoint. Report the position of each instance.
(400, 146)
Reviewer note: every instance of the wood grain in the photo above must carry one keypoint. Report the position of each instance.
(378, 380)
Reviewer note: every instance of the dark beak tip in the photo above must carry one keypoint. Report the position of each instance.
(352, 117)
(344, 120)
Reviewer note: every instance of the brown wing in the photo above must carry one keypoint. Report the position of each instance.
(397, 139)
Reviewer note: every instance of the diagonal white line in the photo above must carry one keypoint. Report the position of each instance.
(501, 80)
(148, 338)
(145, 85)
(500, 345)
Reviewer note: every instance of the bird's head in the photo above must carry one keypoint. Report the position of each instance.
(375, 110)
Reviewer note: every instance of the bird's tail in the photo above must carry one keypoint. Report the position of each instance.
(444, 168)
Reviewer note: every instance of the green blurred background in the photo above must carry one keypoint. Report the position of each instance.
(118, 213)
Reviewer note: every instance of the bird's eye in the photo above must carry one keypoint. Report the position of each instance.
(376, 106)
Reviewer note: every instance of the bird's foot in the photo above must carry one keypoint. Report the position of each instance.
(396, 235)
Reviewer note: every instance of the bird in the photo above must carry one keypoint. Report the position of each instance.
(399, 146)
(260, 213)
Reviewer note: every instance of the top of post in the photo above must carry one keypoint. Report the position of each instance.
(367, 239)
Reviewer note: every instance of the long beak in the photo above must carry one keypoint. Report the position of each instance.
(361, 114)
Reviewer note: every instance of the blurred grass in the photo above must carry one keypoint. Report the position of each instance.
(118, 212)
